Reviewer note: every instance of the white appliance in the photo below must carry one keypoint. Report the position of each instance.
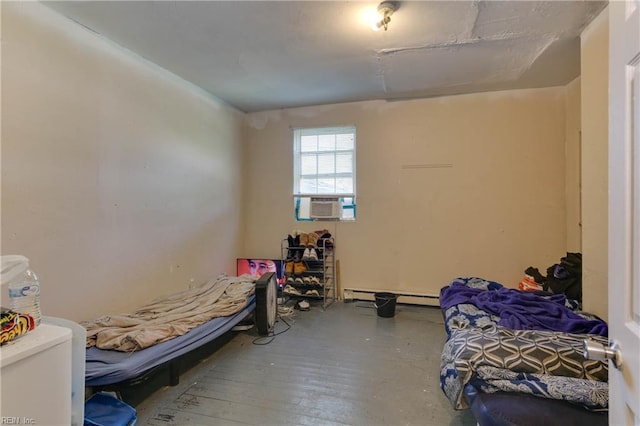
(78, 360)
(325, 208)
(35, 387)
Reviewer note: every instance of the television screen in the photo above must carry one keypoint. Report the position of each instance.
(257, 267)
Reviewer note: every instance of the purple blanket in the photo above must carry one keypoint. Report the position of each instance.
(520, 310)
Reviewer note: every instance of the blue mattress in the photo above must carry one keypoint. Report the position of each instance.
(106, 367)
(513, 409)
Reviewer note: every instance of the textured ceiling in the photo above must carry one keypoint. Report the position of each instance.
(266, 55)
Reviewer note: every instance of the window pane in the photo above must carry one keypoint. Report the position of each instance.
(326, 185)
(308, 143)
(344, 162)
(309, 186)
(304, 207)
(308, 164)
(326, 163)
(344, 185)
(348, 214)
(327, 143)
(344, 141)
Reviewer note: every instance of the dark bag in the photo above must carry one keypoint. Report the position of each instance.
(566, 277)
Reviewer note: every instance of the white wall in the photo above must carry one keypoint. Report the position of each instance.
(595, 142)
(498, 209)
(120, 181)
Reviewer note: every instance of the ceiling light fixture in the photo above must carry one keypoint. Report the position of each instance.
(385, 10)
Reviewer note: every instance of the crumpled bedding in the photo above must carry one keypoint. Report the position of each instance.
(542, 356)
(171, 316)
(523, 310)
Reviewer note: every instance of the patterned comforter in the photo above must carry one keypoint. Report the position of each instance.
(538, 356)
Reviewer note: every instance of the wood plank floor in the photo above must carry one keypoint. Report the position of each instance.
(342, 366)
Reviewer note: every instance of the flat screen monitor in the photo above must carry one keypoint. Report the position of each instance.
(257, 267)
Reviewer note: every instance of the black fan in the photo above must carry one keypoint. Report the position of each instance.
(266, 303)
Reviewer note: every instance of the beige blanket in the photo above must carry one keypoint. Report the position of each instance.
(171, 316)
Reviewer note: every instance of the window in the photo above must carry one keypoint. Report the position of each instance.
(324, 166)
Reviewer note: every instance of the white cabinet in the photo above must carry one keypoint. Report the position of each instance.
(36, 378)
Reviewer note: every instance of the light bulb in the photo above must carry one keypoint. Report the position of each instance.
(382, 17)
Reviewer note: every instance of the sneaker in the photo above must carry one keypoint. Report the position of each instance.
(312, 293)
(242, 327)
(313, 255)
(245, 324)
(306, 255)
(299, 281)
(303, 305)
(314, 280)
(306, 280)
(291, 290)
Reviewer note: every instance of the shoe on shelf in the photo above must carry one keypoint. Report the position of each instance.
(298, 280)
(306, 254)
(299, 268)
(312, 293)
(303, 305)
(325, 243)
(306, 280)
(312, 239)
(290, 245)
(288, 267)
(291, 290)
(313, 255)
(314, 280)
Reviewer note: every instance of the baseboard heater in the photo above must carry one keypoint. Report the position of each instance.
(351, 294)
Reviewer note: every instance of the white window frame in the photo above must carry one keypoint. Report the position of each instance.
(301, 200)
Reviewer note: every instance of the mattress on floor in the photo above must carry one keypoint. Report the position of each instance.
(513, 409)
(105, 367)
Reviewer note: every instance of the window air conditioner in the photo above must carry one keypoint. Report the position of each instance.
(325, 208)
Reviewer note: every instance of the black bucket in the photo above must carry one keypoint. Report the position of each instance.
(386, 304)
